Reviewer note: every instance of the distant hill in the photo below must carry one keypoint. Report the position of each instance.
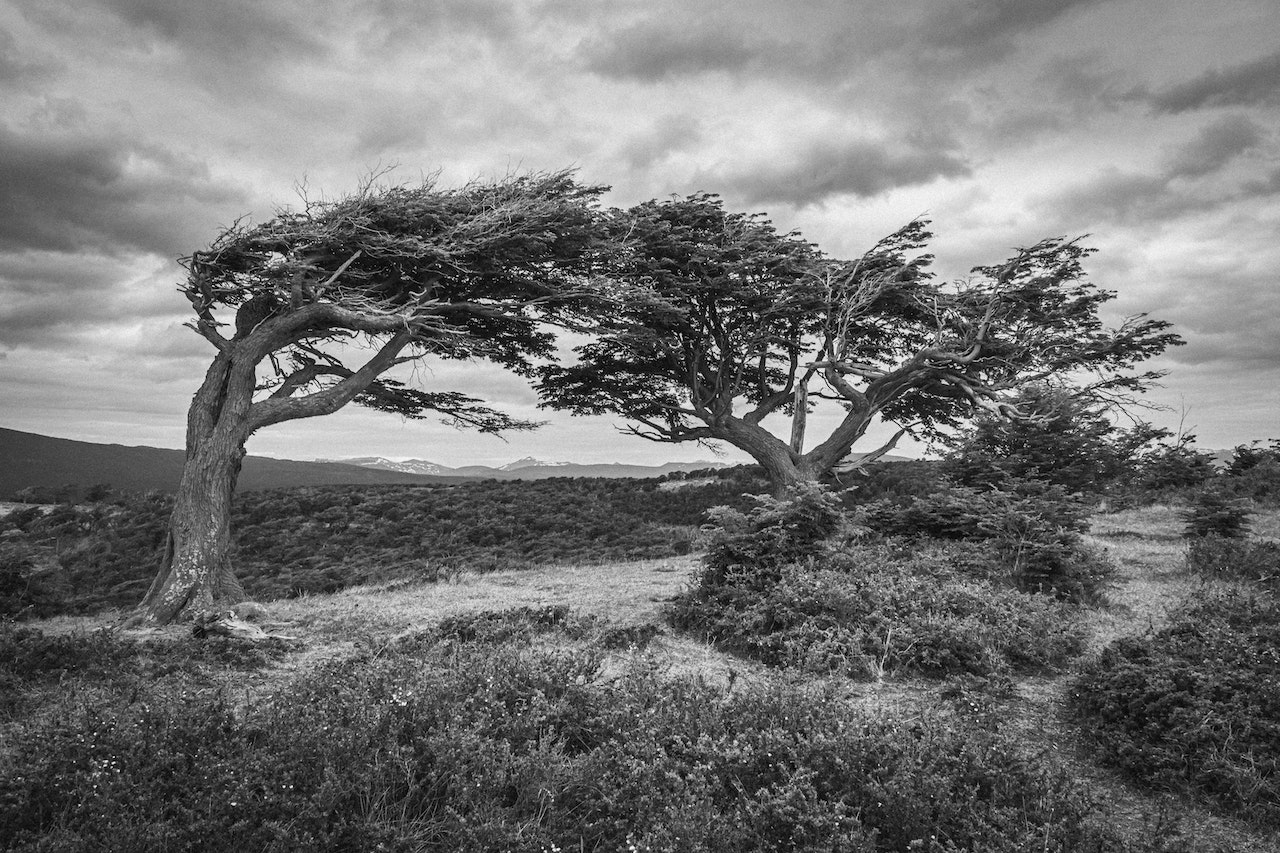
(527, 468)
(28, 459)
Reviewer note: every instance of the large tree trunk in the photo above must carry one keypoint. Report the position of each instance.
(196, 576)
(784, 467)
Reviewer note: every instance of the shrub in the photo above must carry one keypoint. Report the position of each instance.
(775, 533)
(31, 585)
(484, 747)
(1214, 513)
(1196, 705)
(1167, 470)
(1033, 526)
(870, 610)
(28, 655)
(1254, 472)
(1072, 444)
(1239, 559)
(31, 660)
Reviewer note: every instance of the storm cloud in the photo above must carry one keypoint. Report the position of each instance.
(1256, 82)
(827, 170)
(133, 130)
(83, 192)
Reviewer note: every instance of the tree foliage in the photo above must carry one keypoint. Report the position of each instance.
(724, 321)
(452, 273)
(328, 299)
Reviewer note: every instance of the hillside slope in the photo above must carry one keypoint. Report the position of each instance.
(28, 459)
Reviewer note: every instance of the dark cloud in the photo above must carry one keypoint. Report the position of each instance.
(396, 23)
(832, 42)
(859, 168)
(262, 32)
(984, 22)
(1250, 83)
(1228, 310)
(69, 193)
(246, 37)
(48, 299)
(654, 50)
(668, 134)
(820, 41)
(1171, 190)
(1216, 145)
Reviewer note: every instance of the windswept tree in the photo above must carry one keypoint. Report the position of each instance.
(724, 322)
(321, 303)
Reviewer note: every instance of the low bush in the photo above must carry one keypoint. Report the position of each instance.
(30, 584)
(28, 655)
(1196, 705)
(459, 746)
(1035, 528)
(31, 660)
(871, 610)
(1253, 560)
(773, 534)
(1213, 512)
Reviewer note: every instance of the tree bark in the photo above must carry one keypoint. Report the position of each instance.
(784, 467)
(196, 576)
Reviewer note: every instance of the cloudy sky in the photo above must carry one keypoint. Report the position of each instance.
(132, 130)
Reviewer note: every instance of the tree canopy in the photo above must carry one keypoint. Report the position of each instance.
(327, 299)
(724, 321)
(452, 273)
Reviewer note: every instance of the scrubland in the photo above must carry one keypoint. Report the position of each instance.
(805, 677)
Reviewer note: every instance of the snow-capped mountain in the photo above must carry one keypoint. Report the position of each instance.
(527, 468)
(530, 462)
(408, 466)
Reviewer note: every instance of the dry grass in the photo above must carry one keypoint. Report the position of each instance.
(623, 593)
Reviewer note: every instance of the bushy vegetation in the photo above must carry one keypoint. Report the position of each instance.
(445, 744)
(1066, 441)
(1252, 560)
(542, 729)
(287, 542)
(72, 558)
(1033, 528)
(32, 661)
(773, 588)
(1196, 705)
(1213, 512)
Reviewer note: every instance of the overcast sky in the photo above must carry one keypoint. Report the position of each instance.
(131, 130)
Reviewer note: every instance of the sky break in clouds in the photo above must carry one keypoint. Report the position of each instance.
(132, 130)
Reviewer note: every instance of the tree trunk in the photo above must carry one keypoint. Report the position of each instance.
(195, 576)
(784, 466)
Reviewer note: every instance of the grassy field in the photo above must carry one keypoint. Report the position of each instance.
(617, 612)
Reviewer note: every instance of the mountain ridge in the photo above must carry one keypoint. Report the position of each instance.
(529, 468)
(33, 460)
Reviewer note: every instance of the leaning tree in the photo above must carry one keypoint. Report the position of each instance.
(322, 302)
(725, 322)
